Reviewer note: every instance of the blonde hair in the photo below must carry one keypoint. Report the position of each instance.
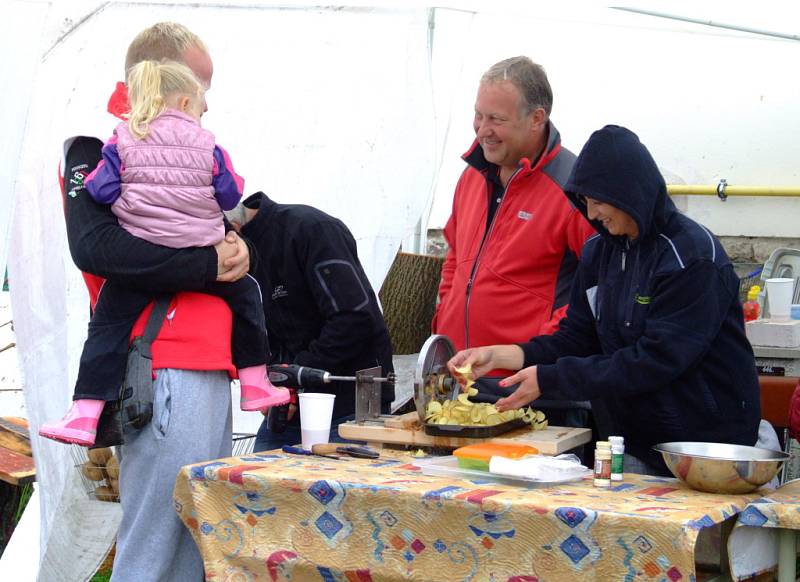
(164, 40)
(150, 84)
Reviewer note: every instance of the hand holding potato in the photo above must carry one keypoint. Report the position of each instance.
(484, 360)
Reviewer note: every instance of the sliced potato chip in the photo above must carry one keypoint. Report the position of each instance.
(466, 374)
(464, 412)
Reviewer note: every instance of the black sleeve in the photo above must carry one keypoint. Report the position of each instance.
(681, 326)
(342, 293)
(99, 245)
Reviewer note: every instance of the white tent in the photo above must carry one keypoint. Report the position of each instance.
(307, 114)
(364, 113)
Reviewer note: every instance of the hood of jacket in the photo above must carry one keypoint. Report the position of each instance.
(615, 167)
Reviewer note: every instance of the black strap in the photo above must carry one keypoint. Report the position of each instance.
(156, 319)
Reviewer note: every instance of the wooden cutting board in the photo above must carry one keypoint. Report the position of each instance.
(14, 435)
(553, 440)
(16, 461)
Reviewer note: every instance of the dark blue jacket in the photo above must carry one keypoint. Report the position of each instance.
(655, 326)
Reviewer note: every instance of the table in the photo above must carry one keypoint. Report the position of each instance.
(766, 533)
(271, 515)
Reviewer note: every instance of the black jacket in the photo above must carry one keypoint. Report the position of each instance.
(655, 326)
(320, 308)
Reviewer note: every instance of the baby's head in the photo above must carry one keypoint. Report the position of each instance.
(155, 86)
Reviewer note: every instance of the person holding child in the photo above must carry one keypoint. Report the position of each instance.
(192, 352)
(168, 183)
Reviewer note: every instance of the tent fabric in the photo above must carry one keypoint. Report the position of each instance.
(308, 114)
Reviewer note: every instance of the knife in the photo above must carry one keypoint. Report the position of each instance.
(350, 450)
(295, 450)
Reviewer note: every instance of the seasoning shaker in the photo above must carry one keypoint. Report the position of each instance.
(602, 464)
(617, 456)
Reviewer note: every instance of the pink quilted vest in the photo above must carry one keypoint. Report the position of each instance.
(167, 197)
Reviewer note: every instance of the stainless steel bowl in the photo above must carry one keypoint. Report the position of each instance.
(721, 468)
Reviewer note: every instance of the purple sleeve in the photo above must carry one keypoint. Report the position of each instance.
(228, 185)
(103, 183)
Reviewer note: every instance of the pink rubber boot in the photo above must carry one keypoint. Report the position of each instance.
(258, 393)
(79, 425)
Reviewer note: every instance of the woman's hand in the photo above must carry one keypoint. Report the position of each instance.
(484, 360)
(233, 258)
(527, 392)
(480, 359)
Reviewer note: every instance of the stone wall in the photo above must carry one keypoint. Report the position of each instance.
(755, 249)
(436, 245)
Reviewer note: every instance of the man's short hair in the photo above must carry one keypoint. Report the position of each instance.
(162, 41)
(528, 77)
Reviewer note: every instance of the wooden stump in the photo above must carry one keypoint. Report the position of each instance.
(408, 297)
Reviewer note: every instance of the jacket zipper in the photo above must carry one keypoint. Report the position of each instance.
(632, 286)
(475, 265)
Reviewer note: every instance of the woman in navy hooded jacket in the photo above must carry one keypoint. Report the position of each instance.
(654, 327)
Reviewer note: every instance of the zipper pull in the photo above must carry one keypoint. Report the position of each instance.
(624, 255)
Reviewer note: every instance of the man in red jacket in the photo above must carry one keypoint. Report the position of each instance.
(514, 237)
(192, 356)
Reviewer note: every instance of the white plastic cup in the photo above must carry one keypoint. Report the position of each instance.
(779, 294)
(316, 413)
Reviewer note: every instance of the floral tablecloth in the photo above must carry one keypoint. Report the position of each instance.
(779, 508)
(753, 545)
(274, 516)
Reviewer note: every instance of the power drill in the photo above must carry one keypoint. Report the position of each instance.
(299, 378)
(295, 378)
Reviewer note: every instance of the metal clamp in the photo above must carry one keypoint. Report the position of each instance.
(723, 183)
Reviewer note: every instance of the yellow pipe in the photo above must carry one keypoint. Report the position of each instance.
(701, 190)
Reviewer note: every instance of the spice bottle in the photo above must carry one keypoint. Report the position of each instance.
(751, 307)
(617, 456)
(602, 464)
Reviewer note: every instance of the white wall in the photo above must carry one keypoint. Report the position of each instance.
(709, 103)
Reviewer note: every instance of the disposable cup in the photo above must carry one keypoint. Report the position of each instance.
(316, 412)
(779, 295)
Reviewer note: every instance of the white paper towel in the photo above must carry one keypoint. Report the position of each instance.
(540, 467)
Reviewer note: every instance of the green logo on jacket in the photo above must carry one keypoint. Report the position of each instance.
(642, 299)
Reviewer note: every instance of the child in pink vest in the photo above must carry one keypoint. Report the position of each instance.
(168, 183)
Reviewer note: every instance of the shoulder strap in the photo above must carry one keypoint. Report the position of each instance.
(156, 319)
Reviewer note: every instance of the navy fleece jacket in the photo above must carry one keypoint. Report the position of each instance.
(654, 326)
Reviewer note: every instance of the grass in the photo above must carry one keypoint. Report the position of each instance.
(24, 497)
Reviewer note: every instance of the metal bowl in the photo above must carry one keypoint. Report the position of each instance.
(721, 468)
